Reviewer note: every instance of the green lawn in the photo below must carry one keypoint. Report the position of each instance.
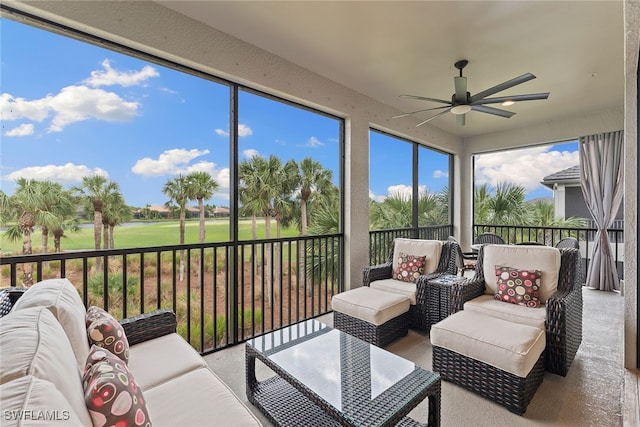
(152, 234)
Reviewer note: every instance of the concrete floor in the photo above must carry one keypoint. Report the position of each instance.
(592, 394)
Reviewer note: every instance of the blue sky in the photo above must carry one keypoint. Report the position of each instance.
(71, 109)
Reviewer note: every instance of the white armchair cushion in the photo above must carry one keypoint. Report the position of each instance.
(62, 298)
(23, 399)
(488, 306)
(406, 289)
(34, 343)
(431, 249)
(543, 258)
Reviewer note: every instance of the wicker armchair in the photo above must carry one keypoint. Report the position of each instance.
(568, 242)
(563, 323)
(418, 313)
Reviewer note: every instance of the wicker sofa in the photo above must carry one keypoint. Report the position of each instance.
(440, 259)
(561, 314)
(45, 349)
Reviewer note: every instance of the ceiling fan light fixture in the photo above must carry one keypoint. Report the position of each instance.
(507, 103)
(461, 109)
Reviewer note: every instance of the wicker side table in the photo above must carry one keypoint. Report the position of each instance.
(439, 296)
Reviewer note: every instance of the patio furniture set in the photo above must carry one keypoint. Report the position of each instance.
(494, 334)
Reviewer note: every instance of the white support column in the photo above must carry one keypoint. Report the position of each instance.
(356, 213)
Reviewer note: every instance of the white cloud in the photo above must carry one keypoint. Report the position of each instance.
(172, 162)
(440, 174)
(77, 103)
(314, 142)
(525, 167)
(249, 153)
(12, 108)
(22, 130)
(63, 174)
(243, 130)
(110, 76)
(375, 197)
(72, 104)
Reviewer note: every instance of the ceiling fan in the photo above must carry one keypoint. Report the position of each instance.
(462, 101)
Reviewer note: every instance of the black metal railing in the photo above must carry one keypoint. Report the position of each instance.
(381, 241)
(550, 236)
(222, 293)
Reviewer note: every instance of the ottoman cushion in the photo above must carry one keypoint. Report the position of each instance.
(370, 305)
(509, 346)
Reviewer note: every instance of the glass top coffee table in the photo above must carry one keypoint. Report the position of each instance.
(327, 377)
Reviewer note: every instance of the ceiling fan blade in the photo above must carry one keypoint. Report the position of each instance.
(419, 111)
(422, 98)
(460, 118)
(461, 89)
(434, 117)
(491, 110)
(514, 98)
(503, 86)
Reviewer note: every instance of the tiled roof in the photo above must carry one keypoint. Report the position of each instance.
(571, 174)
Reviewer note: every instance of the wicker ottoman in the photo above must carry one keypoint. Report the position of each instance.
(372, 315)
(498, 359)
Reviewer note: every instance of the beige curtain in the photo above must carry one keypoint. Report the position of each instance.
(601, 160)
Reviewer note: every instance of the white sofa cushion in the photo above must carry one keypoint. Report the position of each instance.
(371, 305)
(34, 343)
(32, 402)
(431, 249)
(488, 306)
(406, 289)
(197, 398)
(543, 258)
(62, 298)
(159, 360)
(509, 346)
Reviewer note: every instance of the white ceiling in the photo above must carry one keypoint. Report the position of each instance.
(387, 48)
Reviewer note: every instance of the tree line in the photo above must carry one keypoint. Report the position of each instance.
(290, 193)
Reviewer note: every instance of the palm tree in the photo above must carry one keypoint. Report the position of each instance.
(481, 209)
(5, 208)
(61, 205)
(543, 215)
(95, 189)
(325, 219)
(394, 212)
(26, 204)
(176, 190)
(115, 212)
(314, 179)
(201, 186)
(248, 191)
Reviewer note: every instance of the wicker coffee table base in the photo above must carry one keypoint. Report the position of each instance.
(502, 387)
(299, 411)
(380, 335)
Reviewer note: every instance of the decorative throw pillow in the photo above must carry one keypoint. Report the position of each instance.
(410, 267)
(105, 331)
(520, 287)
(111, 393)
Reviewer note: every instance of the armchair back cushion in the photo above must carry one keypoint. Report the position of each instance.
(430, 249)
(543, 258)
(34, 344)
(63, 300)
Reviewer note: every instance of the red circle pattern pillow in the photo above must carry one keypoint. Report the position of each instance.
(520, 287)
(111, 393)
(409, 267)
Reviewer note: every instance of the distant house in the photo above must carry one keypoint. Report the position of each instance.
(221, 212)
(568, 199)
